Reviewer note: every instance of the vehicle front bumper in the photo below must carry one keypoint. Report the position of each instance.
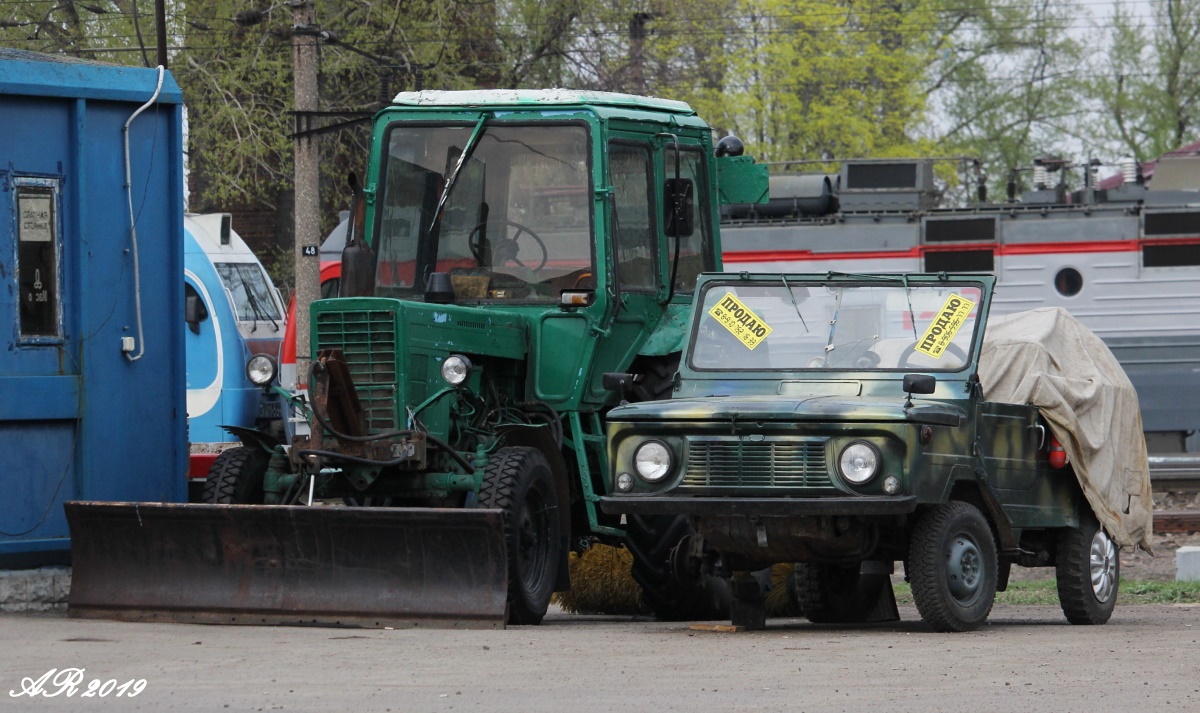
(757, 507)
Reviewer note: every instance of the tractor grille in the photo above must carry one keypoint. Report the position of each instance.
(368, 341)
(790, 463)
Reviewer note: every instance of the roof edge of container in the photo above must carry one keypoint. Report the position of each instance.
(46, 75)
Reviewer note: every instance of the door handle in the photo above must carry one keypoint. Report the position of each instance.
(1041, 435)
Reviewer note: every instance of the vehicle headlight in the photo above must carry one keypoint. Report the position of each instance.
(261, 369)
(858, 462)
(652, 460)
(455, 369)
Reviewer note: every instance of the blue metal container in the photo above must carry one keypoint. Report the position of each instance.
(92, 362)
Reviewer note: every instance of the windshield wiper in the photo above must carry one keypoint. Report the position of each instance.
(435, 227)
(837, 308)
(259, 313)
(794, 305)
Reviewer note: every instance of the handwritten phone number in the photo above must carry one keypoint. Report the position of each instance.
(68, 681)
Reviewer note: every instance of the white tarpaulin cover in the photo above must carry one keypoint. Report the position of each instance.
(1046, 358)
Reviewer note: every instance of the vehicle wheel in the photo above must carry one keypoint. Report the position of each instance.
(1089, 573)
(953, 559)
(830, 594)
(518, 481)
(651, 539)
(236, 477)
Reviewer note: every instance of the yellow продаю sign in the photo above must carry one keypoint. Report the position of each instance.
(945, 325)
(740, 321)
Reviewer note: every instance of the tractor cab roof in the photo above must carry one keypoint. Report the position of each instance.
(529, 98)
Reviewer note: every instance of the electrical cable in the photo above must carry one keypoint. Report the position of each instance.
(137, 279)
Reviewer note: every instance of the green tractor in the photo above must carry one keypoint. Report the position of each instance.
(520, 262)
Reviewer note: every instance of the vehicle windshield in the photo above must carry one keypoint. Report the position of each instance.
(835, 326)
(516, 224)
(248, 291)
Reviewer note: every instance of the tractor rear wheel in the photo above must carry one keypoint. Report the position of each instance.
(651, 539)
(236, 477)
(518, 481)
(831, 594)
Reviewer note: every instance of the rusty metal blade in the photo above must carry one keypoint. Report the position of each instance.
(274, 564)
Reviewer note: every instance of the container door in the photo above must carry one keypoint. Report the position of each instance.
(39, 382)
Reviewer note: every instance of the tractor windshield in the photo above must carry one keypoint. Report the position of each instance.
(835, 326)
(516, 225)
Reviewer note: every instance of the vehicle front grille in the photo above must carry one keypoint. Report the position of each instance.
(781, 463)
(368, 340)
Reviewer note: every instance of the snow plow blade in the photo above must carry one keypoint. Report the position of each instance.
(287, 565)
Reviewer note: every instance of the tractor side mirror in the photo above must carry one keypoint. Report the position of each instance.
(679, 206)
(619, 383)
(358, 259)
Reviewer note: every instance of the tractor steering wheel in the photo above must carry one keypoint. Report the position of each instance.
(504, 249)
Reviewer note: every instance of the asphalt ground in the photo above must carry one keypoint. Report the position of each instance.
(1026, 659)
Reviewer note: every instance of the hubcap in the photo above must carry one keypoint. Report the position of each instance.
(1103, 566)
(964, 568)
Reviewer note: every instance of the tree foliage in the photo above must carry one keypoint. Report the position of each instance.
(797, 79)
(1149, 87)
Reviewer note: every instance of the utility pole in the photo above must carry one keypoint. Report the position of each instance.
(160, 30)
(307, 209)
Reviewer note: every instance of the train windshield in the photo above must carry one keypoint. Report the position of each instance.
(249, 291)
(835, 326)
(514, 226)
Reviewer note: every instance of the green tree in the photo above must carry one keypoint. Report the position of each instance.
(817, 78)
(1148, 86)
(1004, 83)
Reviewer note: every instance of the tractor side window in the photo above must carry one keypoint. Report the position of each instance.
(633, 215)
(694, 250)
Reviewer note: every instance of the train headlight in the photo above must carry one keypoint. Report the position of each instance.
(261, 369)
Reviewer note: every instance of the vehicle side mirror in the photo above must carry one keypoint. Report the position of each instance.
(619, 383)
(358, 259)
(919, 383)
(680, 200)
(194, 311)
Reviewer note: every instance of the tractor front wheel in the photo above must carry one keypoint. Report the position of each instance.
(236, 477)
(519, 482)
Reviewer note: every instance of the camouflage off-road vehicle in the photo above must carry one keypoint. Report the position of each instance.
(838, 422)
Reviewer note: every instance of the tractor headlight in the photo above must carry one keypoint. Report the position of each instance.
(455, 369)
(858, 462)
(652, 460)
(261, 369)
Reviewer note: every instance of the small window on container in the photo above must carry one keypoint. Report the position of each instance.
(36, 203)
